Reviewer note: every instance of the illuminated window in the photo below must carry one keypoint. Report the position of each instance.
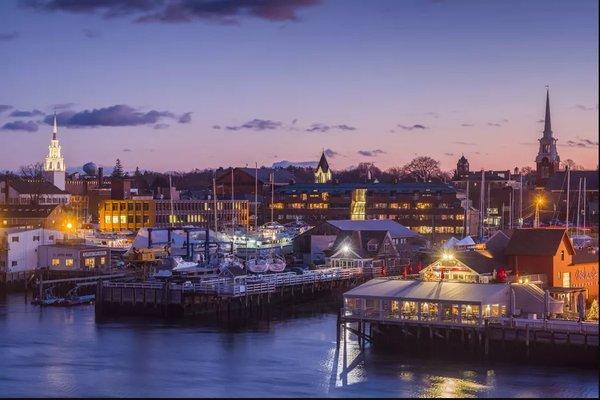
(380, 205)
(423, 205)
(90, 262)
(423, 229)
(562, 255)
(107, 219)
(68, 262)
(123, 219)
(405, 205)
(102, 260)
(55, 262)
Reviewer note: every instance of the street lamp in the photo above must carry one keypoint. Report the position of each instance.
(346, 249)
(538, 202)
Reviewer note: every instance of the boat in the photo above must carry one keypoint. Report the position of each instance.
(179, 265)
(257, 265)
(276, 263)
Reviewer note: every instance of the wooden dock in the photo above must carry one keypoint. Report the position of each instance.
(493, 336)
(223, 296)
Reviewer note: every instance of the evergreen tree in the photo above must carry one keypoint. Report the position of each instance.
(593, 311)
(118, 170)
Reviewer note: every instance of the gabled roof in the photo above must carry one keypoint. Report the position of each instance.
(395, 229)
(536, 242)
(498, 242)
(26, 210)
(484, 293)
(323, 164)
(26, 186)
(558, 181)
(358, 242)
(481, 262)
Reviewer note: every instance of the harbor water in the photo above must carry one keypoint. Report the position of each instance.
(66, 352)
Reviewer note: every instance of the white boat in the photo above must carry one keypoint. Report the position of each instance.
(180, 265)
(276, 263)
(257, 265)
(229, 260)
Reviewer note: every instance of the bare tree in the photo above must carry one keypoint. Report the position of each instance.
(573, 166)
(33, 174)
(422, 169)
(32, 171)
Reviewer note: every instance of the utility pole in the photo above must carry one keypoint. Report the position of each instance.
(584, 201)
(214, 202)
(521, 200)
(466, 229)
(272, 193)
(255, 197)
(578, 205)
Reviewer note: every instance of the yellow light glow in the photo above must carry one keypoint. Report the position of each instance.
(346, 248)
(69, 225)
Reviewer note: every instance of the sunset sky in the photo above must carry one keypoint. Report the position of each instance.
(177, 85)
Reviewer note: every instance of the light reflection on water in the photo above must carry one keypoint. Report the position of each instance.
(64, 352)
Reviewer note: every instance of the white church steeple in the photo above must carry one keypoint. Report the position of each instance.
(54, 165)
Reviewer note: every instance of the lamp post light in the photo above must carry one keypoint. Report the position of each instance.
(538, 202)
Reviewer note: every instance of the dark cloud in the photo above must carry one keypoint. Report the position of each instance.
(257, 125)
(216, 126)
(8, 36)
(465, 143)
(319, 127)
(117, 115)
(331, 153)
(62, 106)
(5, 107)
(410, 128)
(504, 120)
(448, 154)
(126, 150)
(90, 34)
(585, 108)
(28, 126)
(23, 113)
(294, 121)
(540, 121)
(185, 118)
(582, 143)
(161, 126)
(177, 11)
(371, 153)
(494, 124)
(467, 125)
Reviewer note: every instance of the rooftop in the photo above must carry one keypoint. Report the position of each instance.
(535, 242)
(395, 229)
(485, 293)
(400, 188)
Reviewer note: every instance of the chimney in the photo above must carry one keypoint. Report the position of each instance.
(100, 176)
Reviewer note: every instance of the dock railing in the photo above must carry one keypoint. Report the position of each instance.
(250, 285)
(557, 325)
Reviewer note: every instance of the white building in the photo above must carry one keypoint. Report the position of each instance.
(19, 247)
(54, 165)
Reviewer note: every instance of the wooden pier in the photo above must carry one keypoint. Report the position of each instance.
(223, 297)
(489, 337)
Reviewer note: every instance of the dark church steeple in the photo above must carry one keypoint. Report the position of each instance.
(547, 161)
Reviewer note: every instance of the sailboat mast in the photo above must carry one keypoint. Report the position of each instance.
(466, 230)
(255, 197)
(232, 204)
(578, 205)
(584, 201)
(172, 217)
(568, 193)
(215, 200)
(272, 193)
(481, 203)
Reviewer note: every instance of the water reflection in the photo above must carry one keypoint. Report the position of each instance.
(64, 352)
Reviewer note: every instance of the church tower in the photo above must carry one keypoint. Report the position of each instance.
(462, 168)
(323, 173)
(547, 161)
(54, 165)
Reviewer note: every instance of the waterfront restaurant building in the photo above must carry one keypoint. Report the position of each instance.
(446, 302)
